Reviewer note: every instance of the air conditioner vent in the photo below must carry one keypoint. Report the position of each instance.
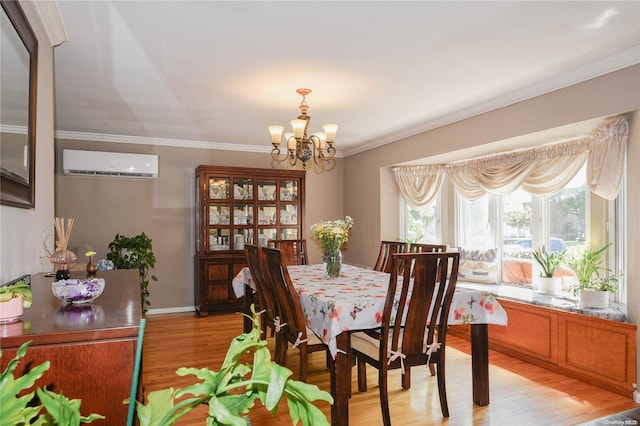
(109, 164)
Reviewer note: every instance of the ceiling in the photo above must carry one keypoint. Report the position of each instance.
(216, 74)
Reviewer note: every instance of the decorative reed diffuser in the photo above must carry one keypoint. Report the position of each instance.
(63, 257)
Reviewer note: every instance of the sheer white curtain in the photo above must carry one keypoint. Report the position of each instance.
(541, 171)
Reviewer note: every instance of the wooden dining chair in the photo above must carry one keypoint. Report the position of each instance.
(294, 252)
(408, 337)
(427, 248)
(387, 248)
(266, 299)
(292, 325)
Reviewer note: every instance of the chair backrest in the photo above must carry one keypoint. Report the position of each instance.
(388, 248)
(427, 248)
(265, 296)
(418, 280)
(294, 252)
(289, 309)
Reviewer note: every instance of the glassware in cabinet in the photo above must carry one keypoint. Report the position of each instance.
(243, 214)
(218, 214)
(288, 190)
(288, 214)
(267, 214)
(266, 190)
(218, 188)
(242, 189)
(266, 234)
(289, 234)
(218, 239)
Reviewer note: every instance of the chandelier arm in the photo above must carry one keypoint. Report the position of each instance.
(276, 155)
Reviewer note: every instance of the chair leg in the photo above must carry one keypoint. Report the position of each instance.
(304, 362)
(432, 369)
(384, 397)
(362, 375)
(442, 389)
(406, 378)
(281, 350)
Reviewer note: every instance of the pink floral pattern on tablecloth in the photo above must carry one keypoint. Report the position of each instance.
(355, 300)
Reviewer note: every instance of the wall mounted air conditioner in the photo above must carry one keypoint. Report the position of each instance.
(110, 164)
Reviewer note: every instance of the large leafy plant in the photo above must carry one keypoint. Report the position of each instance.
(17, 409)
(231, 392)
(590, 269)
(135, 253)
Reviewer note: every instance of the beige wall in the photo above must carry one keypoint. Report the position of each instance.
(21, 229)
(164, 209)
(366, 181)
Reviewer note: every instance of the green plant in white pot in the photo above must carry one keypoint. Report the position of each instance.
(595, 280)
(546, 283)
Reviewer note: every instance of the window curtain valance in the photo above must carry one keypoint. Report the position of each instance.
(541, 171)
(420, 184)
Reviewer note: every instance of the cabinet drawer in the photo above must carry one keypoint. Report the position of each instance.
(215, 272)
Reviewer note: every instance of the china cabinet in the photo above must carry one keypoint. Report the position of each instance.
(237, 206)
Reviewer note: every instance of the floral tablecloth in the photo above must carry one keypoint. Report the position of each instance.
(355, 299)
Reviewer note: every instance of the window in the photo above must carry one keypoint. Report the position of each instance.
(519, 222)
(421, 225)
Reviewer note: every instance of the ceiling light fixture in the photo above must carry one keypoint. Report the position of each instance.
(318, 146)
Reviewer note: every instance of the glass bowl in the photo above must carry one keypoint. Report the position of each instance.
(77, 291)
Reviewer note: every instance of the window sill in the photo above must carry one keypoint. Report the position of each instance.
(617, 312)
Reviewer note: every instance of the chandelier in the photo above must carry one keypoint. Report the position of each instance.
(318, 146)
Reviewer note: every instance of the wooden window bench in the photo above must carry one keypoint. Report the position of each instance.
(594, 346)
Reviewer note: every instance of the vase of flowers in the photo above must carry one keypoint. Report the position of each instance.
(332, 235)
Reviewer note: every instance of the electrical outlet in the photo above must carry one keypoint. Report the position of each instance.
(636, 396)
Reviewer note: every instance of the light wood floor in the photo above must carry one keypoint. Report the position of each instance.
(521, 393)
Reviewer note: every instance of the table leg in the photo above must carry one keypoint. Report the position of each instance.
(341, 381)
(480, 363)
(248, 300)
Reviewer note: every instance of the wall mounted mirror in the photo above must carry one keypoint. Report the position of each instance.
(18, 69)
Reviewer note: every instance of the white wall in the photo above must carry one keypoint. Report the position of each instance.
(21, 245)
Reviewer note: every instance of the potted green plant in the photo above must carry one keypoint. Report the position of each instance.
(20, 408)
(135, 253)
(549, 261)
(14, 298)
(232, 391)
(595, 281)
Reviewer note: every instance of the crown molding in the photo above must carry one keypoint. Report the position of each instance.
(606, 65)
(178, 143)
(52, 21)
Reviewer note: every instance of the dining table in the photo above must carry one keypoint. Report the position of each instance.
(334, 307)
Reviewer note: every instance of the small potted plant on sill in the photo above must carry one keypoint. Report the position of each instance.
(246, 374)
(14, 299)
(546, 283)
(595, 281)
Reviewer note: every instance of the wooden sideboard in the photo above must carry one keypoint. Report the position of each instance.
(594, 350)
(91, 347)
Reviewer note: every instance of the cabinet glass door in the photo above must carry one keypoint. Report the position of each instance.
(242, 189)
(218, 188)
(289, 190)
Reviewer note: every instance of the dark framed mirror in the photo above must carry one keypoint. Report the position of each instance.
(18, 71)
